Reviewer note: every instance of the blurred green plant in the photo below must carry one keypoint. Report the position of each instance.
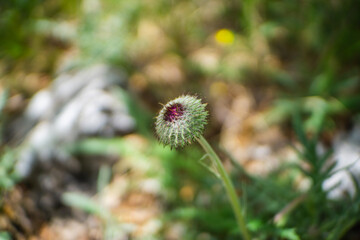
(8, 179)
(112, 227)
(19, 41)
(320, 112)
(324, 48)
(105, 29)
(14, 18)
(5, 236)
(3, 99)
(141, 115)
(295, 213)
(311, 214)
(176, 170)
(8, 176)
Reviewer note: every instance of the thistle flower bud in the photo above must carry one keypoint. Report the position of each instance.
(180, 121)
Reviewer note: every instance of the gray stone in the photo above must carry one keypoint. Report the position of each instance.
(77, 105)
(346, 155)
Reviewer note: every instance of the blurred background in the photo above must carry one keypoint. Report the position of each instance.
(81, 83)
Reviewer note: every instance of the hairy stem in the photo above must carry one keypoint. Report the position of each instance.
(230, 190)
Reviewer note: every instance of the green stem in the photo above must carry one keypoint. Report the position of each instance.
(230, 190)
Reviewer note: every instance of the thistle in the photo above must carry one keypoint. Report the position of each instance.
(180, 121)
(183, 120)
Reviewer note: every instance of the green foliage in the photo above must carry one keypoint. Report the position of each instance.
(305, 53)
(19, 39)
(112, 227)
(318, 109)
(8, 178)
(104, 177)
(86, 204)
(15, 18)
(141, 115)
(4, 236)
(7, 175)
(7, 155)
(323, 50)
(3, 99)
(156, 160)
(105, 28)
(317, 217)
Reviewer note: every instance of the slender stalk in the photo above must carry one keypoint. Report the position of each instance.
(230, 190)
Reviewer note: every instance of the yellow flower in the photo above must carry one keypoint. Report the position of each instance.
(224, 36)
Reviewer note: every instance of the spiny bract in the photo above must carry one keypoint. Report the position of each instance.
(180, 121)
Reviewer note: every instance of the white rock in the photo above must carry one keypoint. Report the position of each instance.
(41, 106)
(347, 156)
(78, 104)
